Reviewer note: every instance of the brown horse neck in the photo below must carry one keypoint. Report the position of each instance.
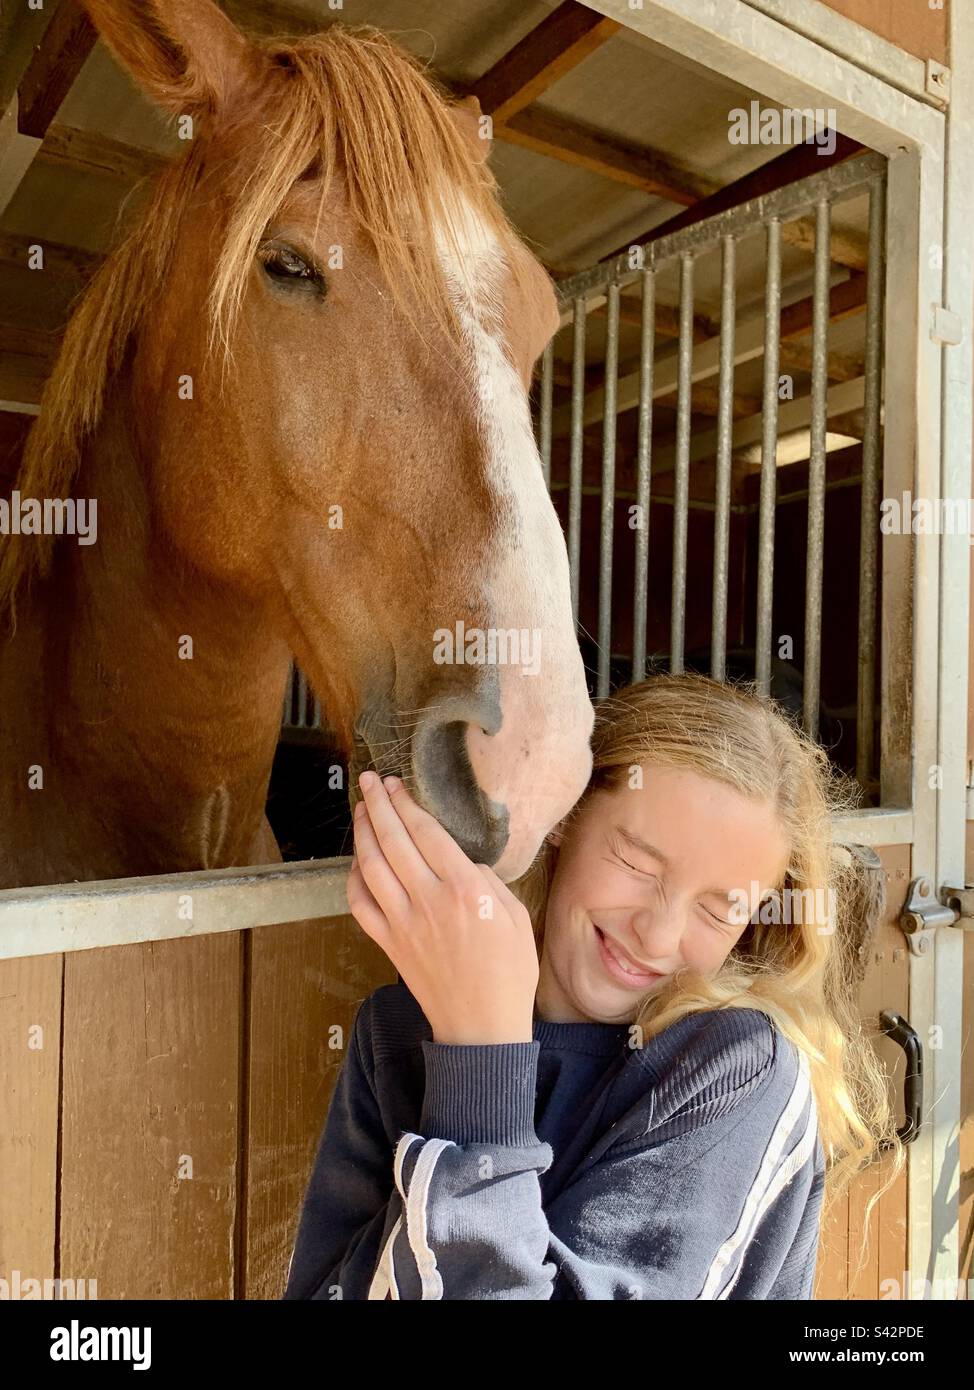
(149, 697)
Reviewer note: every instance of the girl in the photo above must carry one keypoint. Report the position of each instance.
(642, 1076)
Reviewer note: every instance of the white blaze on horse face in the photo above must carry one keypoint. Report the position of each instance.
(539, 761)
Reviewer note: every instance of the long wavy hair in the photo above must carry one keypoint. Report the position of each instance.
(804, 976)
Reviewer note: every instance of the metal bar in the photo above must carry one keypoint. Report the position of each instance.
(769, 450)
(644, 464)
(837, 183)
(118, 912)
(302, 680)
(871, 481)
(681, 474)
(722, 482)
(815, 554)
(577, 447)
(607, 516)
(547, 383)
(40, 921)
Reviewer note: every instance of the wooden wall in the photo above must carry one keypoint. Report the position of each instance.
(966, 1213)
(845, 1271)
(918, 26)
(161, 1138)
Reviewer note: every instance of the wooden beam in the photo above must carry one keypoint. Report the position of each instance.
(667, 320)
(70, 262)
(26, 358)
(703, 398)
(69, 147)
(633, 165)
(17, 154)
(792, 415)
(839, 366)
(845, 299)
(57, 60)
(552, 49)
(777, 173)
(790, 167)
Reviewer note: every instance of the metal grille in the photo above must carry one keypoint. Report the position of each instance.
(302, 709)
(692, 362)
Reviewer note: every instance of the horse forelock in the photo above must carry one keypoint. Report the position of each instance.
(347, 101)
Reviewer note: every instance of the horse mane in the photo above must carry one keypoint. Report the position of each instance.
(355, 102)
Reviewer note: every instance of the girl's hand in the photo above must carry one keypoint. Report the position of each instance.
(457, 935)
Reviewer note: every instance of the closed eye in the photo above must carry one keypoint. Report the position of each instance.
(644, 873)
(721, 921)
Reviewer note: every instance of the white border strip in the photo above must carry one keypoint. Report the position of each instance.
(118, 912)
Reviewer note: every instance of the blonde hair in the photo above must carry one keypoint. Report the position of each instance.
(803, 978)
(356, 103)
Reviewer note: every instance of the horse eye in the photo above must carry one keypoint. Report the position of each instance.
(286, 266)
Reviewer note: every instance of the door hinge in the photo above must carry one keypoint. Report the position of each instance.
(946, 327)
(923, 912)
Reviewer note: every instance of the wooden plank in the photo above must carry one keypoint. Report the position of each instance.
(784, 169)
(748, 345)
(894, 993)
(17, 153)
(306, 984)
(67, 147)
(966, 1203)
(30, 1054)
(71, 262)
(635, 166)
(55, 64)
(552, 49)
(152, 1042)
(790, 167)
(843, 1273)
(845, 300)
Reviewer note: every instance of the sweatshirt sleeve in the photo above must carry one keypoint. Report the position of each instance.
(670, 1213)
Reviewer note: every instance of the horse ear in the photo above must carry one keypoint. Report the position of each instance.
(475, 126)
(186, 55)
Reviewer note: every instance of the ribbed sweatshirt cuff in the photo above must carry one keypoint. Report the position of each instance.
(480, 1094)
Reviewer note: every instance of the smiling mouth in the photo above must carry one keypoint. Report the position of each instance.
(619, 967)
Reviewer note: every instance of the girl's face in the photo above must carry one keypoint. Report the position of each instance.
(659, 878)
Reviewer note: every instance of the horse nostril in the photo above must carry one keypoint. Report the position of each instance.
(446, 784)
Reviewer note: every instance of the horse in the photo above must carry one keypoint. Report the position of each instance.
(296, 396)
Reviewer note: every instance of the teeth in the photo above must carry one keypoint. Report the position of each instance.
(621, 963)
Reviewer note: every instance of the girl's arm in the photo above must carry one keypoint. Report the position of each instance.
(721, 1195)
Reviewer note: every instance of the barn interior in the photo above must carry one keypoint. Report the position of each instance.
(602, 140)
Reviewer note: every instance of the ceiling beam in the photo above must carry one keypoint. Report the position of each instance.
(552, 49)
(796, 320)
(91, 152)
(797, 163)
(636, 166)
(69, 261)
(56, 62)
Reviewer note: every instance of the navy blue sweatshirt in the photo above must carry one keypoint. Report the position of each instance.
(574, 1166)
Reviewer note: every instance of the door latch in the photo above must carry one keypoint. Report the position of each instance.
(923, 912)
